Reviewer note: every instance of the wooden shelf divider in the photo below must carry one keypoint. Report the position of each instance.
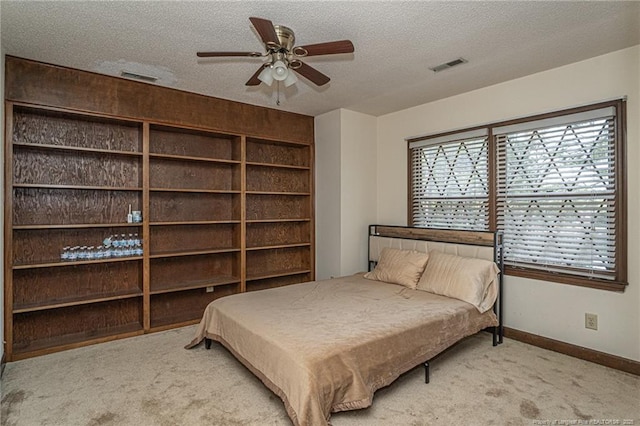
(18, 309)
(78, 149)
(76, 262)
(192, 285)
(192, 253)
(276, 274)
(282, 166)
(209, 191)
(72, 187)
(192, 158)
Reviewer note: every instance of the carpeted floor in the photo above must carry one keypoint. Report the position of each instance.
(152, 380)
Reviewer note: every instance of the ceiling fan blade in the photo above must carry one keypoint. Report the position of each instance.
(328, 48)
(226, 54)
(254, 81)
(312, 74)
(265, 30)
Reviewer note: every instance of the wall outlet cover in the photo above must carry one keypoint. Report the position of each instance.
(591, 321)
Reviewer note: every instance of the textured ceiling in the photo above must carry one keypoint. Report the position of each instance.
(395, 44)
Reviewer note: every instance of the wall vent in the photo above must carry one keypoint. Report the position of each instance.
(147, 78)
(448, 65)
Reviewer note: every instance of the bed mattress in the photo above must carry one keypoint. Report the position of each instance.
(327, 346)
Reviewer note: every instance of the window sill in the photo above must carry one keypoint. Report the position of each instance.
(617, 286)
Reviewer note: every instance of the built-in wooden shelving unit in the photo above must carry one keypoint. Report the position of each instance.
(225, 209)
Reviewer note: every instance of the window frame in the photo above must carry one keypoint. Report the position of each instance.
(620, 280)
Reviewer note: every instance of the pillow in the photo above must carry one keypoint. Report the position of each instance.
(468, 279)
(402, 267)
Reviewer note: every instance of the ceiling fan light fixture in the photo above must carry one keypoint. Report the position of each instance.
(266, 76)
(279, 71)
(291, 79)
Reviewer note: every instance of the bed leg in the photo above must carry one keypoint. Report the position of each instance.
(495, 336)
(207, 343)
(426, 372)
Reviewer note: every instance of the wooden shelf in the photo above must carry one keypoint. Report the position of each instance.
(274, 282)
(18, 309)
(194, 207)
(272, 153)
(192, 253)
(278, 193)
(78, 226)
(275, 274)
(71, 341)
(278, 220)
(193, 285)
(193, 222)
(277, 246)
(282, 166)
(185, 306)
(77, 262)
(191, 158)
(210, 191)
(168, 325)
(176, 320)
(76, 149)
(75, 187)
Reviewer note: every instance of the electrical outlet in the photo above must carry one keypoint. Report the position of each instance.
(210, 289)
(591, 321)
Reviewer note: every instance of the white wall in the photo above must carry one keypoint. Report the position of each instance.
(358, 188)
(345, 191)
(327, 167)
(547, 309)
(2, 210)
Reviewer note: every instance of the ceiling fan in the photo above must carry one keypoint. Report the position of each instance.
(283, 56)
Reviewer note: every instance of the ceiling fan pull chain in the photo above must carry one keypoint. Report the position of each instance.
(278, 93)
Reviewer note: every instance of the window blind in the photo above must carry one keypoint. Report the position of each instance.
(449, 182)
(556, 193)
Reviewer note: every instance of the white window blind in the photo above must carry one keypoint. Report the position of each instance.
(556, 193)
(449, 182)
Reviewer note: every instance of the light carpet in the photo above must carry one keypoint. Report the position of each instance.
(152, 380)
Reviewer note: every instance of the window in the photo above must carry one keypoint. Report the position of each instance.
(558, 185)
(449, 183)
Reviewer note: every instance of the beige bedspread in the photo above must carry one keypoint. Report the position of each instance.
(326, 346)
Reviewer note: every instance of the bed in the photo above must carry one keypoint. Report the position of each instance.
(327, 346)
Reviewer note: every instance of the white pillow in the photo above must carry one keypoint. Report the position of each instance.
(465, 278)
(402, 267)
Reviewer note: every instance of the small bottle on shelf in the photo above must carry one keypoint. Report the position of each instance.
(82, 253)
(65, 253)
(73, 253)
(120, 246)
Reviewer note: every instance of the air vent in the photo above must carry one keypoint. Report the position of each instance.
(448, 65)
(147, 78)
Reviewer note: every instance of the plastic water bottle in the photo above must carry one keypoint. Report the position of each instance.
(65, 253)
